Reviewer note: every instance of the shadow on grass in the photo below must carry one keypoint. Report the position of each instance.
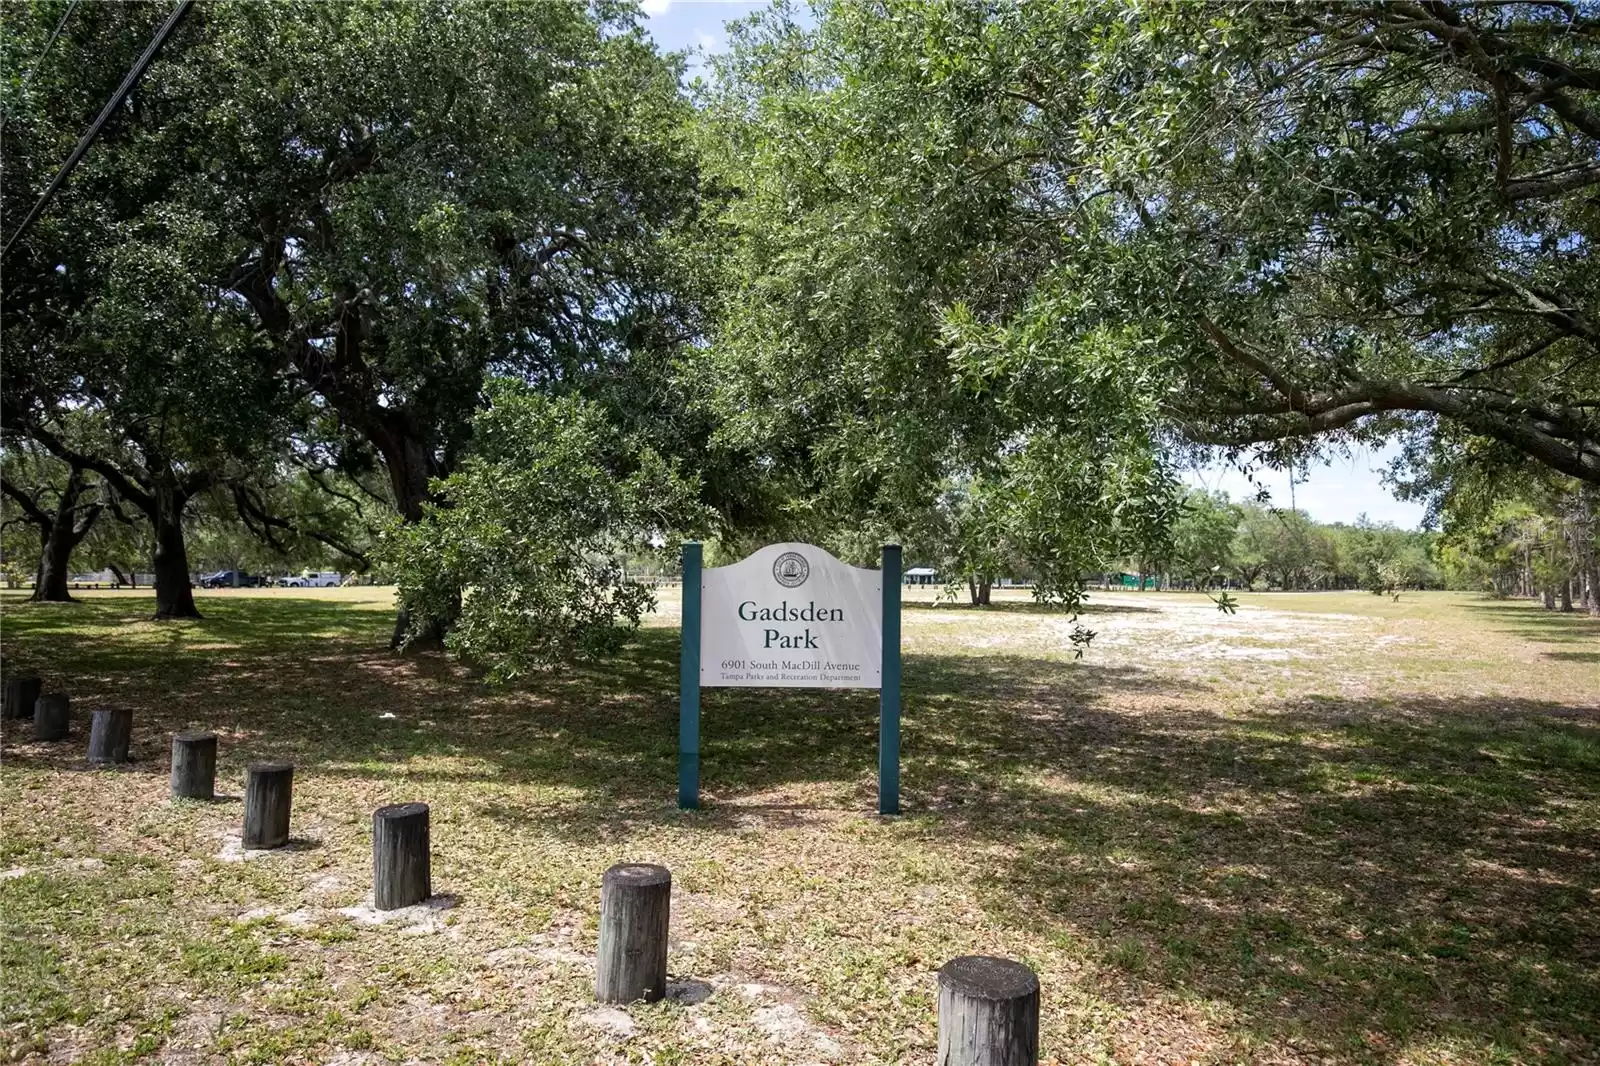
(1531, 621)
(1349, 873)
(116, 637)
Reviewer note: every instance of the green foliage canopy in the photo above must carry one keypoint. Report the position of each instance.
(1267, 222)
(522, 548)
(867, 314)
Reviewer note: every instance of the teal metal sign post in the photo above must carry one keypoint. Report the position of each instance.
(889, 692)
(790, 616)
(689, 682)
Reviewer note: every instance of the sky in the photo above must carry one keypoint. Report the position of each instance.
(680, 25)
(1339, 492)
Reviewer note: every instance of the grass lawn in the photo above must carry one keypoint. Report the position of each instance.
(1329, 829)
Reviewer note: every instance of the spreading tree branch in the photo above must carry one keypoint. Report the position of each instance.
(1560, 436)
(256, 517)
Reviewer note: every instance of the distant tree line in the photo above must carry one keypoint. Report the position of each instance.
(1528, 544)
(1215, 543)
(1535, 536)
(1250, 545)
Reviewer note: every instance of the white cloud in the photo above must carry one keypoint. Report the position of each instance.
(709, 41)
(652, 8)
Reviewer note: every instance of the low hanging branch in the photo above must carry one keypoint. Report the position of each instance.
(81, 516)
(262, 523)
(31, 510)
(1562, 436)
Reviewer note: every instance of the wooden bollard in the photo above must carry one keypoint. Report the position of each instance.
(635, 908)
(267, 790)
(988, 1013)
(110, 734)
(400, 857)
(52, 716)
(194, 766)
(20, 695)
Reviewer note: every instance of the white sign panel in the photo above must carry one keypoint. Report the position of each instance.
(791, 616)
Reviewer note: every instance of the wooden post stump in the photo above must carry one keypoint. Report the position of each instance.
(21, 693)
(194, 766)
(988, 1013)
(266, 804)
(110, 733)
(51, 716)
(635, 906)
(400, 856)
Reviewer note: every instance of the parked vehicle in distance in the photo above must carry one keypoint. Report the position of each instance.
(312, 579)
(229, 579)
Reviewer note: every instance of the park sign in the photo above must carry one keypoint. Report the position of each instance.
(790, 616)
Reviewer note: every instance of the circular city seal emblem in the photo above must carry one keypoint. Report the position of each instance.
(791, 569)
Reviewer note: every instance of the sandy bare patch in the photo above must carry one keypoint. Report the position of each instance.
(422, 919)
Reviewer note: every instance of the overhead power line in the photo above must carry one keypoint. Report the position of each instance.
(94, 131)
(27, 79)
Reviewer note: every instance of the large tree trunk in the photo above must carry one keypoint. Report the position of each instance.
(55, 555)
(394, 431)
(410, 467)
(174, 593)
(58, 537)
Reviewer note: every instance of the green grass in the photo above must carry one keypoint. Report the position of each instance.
(1333, 828)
